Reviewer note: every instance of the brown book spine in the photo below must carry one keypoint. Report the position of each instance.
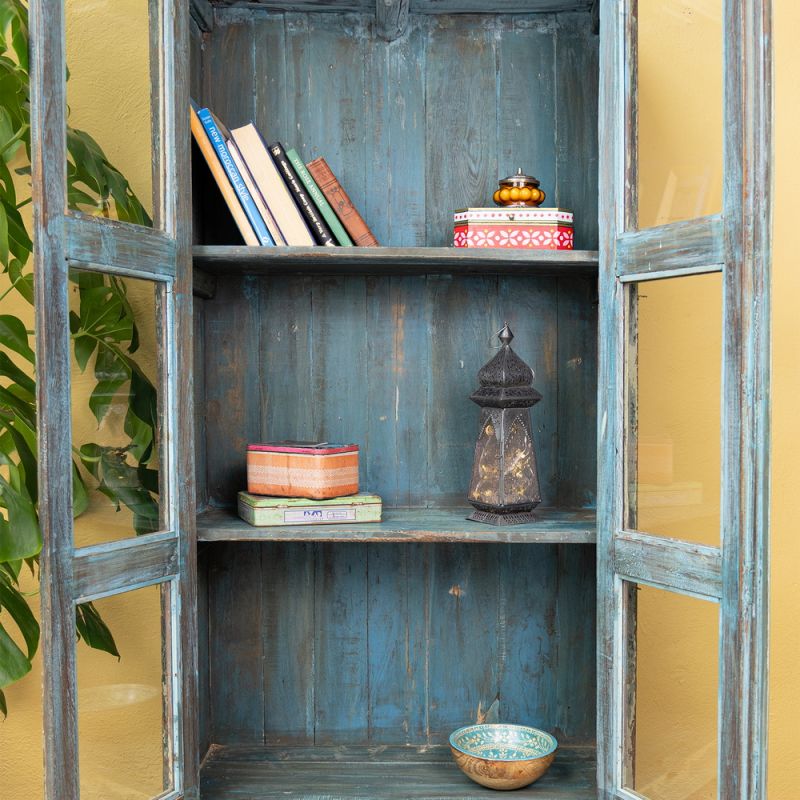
(343, 206)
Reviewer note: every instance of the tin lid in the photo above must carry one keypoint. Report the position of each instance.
(262, 501)
(305, 448)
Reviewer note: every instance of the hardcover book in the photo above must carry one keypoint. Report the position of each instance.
(218, 142)
(266, 214)
(338, 231)
(271, 186)
(221, 179)
(319, 229)
(342, 205)
(279, 511)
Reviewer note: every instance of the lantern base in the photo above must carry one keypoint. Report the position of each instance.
(492, 518)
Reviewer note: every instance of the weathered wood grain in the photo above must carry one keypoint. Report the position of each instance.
(370, 773)
(416, 6)
(232, 260)
(680, 248)
(553, 526)
(668, 563)
(200, 431)
(106, 569)
(391, 18)
(745, 503)
(235, 629)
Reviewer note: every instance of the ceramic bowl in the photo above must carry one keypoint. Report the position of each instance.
(503, 756)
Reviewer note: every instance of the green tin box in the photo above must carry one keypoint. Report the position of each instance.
(278, 511)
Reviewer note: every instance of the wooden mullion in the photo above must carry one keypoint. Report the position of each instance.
(670, 564)
(103, 570)
(747, 211)
(615, 131)
(119, 248)
(48, 162)
(680, 248)
(178, 221)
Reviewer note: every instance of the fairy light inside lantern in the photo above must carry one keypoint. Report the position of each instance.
(505, 484)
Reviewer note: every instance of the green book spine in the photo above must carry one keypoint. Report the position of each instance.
(319, 199)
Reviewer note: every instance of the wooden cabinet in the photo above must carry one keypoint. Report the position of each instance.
(335, 661)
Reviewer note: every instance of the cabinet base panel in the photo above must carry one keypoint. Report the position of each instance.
(372, 773)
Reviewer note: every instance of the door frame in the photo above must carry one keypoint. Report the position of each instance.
(62, 239)
(737, 243)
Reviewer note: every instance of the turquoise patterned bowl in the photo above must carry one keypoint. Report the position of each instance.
(503, 756)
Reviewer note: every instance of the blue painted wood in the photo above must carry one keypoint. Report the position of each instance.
(461, 118)
(236, 663)
(288, 643)
(576, 125)
(286, 359)
(397, 646)
(577, 397)
(526, 77)
(341, 664)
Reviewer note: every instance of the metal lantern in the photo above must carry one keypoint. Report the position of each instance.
(505, 484)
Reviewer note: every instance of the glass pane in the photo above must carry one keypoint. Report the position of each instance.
(110, 123)
(676, 697)
(121, 698)
(675, 481)
(115, 406)
(680, 109)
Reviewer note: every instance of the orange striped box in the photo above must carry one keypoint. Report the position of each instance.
(317, 470)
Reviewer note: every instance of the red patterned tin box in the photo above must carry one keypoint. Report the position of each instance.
(518, 228)
(317, 470)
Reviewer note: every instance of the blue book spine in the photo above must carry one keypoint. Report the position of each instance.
(218, 143)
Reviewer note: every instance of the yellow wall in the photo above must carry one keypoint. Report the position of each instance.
(680, 349)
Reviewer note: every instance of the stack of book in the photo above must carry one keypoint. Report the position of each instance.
(275, 198)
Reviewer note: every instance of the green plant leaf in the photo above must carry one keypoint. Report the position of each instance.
(19, 534)
(93, 630)
(13, 664)
(102, 397)
(14, 336)
(3, 704)
(23, 283)
(17, 606)
(80, 497)
(84, 347)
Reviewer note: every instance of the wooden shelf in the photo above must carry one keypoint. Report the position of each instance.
(554, 526)
(374, 772)
(240, 260)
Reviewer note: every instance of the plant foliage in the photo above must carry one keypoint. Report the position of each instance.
(105, 339)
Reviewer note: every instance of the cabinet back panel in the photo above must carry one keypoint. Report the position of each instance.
(389, 363)
(423, 125)
(398, 644)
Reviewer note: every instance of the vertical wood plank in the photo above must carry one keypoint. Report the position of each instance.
(577, 396)
(48, 165)
(287, 640)
(325, 72)
(340, 359)
(341, 645)
(233, 392)
(395, 206)
(397, 600)
(200, 427)
(203, 653)
(462, 341)
(576, 128)
(230, 55)
(528, 668)
(529, 307)
(286, 359)
(526, 99)
(236, 663)
(575, 701)
(463, 623)
(461, 146)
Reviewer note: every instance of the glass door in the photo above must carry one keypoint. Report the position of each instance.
(113, 305)
(683, 399)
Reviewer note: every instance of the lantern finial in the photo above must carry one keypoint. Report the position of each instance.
(505, 335)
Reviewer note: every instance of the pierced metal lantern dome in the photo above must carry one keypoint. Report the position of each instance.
(505, 484)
